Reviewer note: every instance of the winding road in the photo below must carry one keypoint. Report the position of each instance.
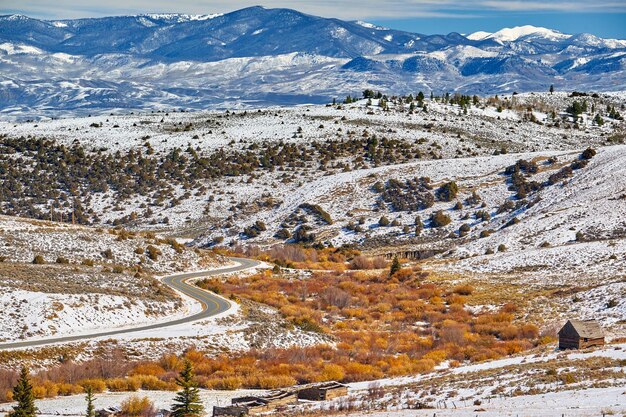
(211, 305)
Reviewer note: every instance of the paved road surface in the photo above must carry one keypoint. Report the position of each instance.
(211, 306)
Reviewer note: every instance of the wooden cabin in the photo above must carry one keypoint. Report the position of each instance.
(322, 392)
(578, 334)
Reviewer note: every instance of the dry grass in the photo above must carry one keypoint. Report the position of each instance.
(79, 279)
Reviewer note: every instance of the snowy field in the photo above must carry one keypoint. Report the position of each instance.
(74, 405)
(593, 402)
(581, 400)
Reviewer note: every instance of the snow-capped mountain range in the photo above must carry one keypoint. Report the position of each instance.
(258, 56)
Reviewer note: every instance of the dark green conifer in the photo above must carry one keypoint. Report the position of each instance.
(23, 394)
(187, 401)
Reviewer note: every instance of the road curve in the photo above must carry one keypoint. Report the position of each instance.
(211, 306)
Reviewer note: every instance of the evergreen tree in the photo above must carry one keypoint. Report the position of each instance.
(91, 412)
(419, 226)
(551, 89)
(187, 402)
(598, 120)
(395, 266)
(23, 394)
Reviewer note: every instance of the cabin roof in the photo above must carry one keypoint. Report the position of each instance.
(263, 399)
(589, 329)
(320, 385)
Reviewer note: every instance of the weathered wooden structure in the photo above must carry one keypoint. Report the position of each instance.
(413, 255)
(231, 411)
(252, 405)
(578, 334)
(321, 392)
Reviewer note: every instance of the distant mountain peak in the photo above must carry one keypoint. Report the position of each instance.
(369, 25)
(14, 17)
(517, 32)
(173, 16)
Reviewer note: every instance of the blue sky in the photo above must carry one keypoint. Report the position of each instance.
(606, 25)
(600, 17)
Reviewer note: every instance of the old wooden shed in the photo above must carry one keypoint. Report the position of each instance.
(578, 334)
(321, 392)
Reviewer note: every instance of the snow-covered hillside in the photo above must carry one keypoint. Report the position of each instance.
(445, 131)
(60, 279)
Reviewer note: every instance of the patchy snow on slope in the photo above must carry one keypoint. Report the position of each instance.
(545, 239)
(14, 49)
(605, 303)
(589, 402)
(36, 315)
(462, 53)
(369, 25)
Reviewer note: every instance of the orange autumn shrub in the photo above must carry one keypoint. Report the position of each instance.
(122, 384)
(67, 389)
(148, 368)
(97, 385)
(274, 381)
(135, 406)
(464, 289)
(332, 372)
(171, 363)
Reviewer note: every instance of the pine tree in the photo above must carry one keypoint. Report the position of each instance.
(187, 401)
(23, 394)
(89, 398)
(395, 266)
(419, 226)
(551, 89)
(598, 120)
